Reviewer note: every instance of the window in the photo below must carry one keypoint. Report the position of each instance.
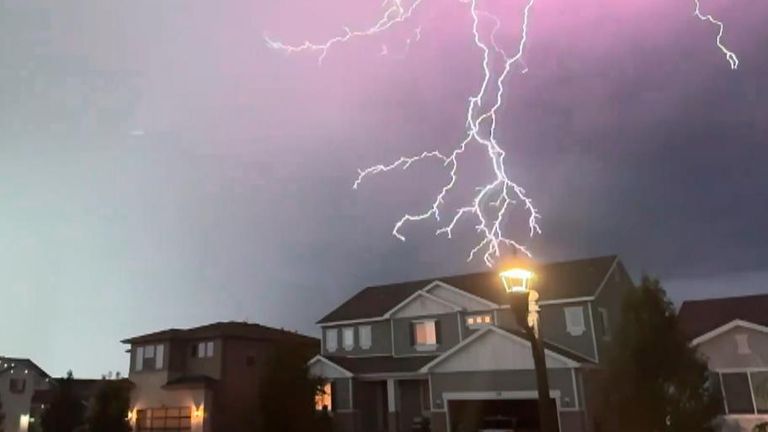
(742, 344)
(17, 385)
(202, 349)
(164, 419)
(348, 338)
(574, 320)
(605, 324)
(424, 335)
(151, 356)
(331, 340)
(365, 336)
(324, 399)
(484, 320)
(738, 395)
(139, 358)
(760, 391)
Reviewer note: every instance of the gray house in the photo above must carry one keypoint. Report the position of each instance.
(732, 335)
(20, 378)
(448, 349)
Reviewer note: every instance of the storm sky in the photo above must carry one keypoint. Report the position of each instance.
(161, 167)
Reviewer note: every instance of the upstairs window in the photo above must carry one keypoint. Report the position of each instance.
(149, 356)
(425, 335)
(331, 340)
(484, 320)
(202, 349)
(742, 344)
(364, 334)
(605, 324)
(17, 385)
(574, 320)
(348, 338)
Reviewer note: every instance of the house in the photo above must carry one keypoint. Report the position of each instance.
(20, 378)
(202, 379)
(732, 335)
(448, 349)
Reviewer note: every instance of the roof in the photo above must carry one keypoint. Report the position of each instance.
(381, 364)
(697, 317)
(231, 329)
(10, 363)
(191, 381)
(554, 281)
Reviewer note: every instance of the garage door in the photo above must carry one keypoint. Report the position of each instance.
(475, 415)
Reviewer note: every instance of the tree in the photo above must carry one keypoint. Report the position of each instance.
(291, 392)
(66, 411)
(656, 381)
(2, 416)
(110, 407)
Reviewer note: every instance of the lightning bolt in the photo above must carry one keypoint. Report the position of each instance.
(492, 201)
(729, 55)
(490, 205)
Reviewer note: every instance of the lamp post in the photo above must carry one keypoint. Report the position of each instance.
(517, 277)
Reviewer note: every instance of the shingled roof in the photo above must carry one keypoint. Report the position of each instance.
(554, 281)
(698, 317)
(231, 329)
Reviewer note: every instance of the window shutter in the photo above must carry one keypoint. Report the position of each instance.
(412, 331)
(438, 333)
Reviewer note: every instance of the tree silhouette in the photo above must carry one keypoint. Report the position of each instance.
(656, 381)
(66, 411)
(110, 407)
(2, 416)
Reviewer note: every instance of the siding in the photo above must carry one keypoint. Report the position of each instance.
(449, 334)
(611, 299)
(721, 352)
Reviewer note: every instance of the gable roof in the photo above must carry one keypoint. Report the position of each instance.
(231, 329)
(8, 364)
(569, 358)
(554, 281)
(698, 317)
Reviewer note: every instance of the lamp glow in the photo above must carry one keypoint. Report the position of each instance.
(517, 280)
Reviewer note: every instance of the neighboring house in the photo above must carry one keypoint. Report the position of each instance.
(20, 378)
(202, 379)
(448, 349)
(732, 335)
(84, 390)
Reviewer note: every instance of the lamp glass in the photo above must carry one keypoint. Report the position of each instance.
(516, 280)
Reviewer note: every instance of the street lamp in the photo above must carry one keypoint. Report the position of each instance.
(517, 275)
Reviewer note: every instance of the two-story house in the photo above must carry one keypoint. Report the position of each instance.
(20, 378)
(732, 335)
(202, 379)
(449, 349)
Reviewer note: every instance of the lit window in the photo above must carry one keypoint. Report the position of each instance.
(574, 320)
(323, 399)
(479, 320)
(365, 336)
(331, 340)
(348, 338)
(742, 344)
(424, 335)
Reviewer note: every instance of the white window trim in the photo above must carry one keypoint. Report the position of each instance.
(332, 339)
(742, 343)
(476, 324)
(425, 347)
(159, 356)
(575, 329)
(344, 332)
(365, 344)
